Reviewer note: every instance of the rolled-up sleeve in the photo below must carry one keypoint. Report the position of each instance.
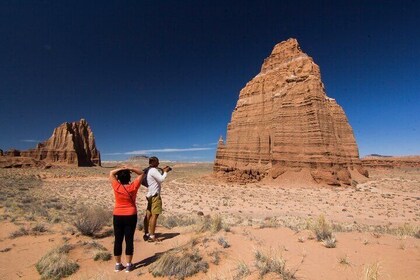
(157, 176)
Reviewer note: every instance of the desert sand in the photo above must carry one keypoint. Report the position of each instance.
(255, 231)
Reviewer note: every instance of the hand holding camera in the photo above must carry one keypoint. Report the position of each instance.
(167, 168)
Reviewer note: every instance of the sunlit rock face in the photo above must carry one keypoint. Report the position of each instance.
(285, 122)
(71, 143)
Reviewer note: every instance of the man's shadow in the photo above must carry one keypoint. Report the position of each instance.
(155, 257)
(164, 236)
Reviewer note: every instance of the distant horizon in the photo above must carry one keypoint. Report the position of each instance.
(164, 77)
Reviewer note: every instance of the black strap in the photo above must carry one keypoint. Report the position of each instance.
(131, 198)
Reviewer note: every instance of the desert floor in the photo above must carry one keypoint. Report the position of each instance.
(224, 230)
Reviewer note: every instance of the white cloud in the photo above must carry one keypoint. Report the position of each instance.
(29, 141)
(204, 145)
(164, 150)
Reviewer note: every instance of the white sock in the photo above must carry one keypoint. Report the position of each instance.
(117, 263)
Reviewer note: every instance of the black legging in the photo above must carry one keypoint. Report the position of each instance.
(124, 227)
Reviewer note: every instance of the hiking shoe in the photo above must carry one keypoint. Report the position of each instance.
(119, 267)
(129, 267)
(145, 237)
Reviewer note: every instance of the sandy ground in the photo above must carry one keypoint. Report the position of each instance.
(373, 224)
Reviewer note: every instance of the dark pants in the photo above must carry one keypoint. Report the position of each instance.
(124, 227)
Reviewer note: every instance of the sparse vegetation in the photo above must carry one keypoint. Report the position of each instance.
(102, 255)
(223, 242)
(20, 232)
(176, 221)
(330, 242)
(372, 272)
(344, 260)
(242, 270)
(275, 264)
(56, 264)
(90, 221)
(212, 224)
(179, 263)
(322, 229)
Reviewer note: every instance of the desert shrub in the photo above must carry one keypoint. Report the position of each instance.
(407, 230)
(276, 264)
(223, 242)
(329, 242)
(322, 229)
(212, 224)
(55, 264)
(90, 221)
(39, 228)
(179, 263)
(102, 255)
(20, 232)
(242, 270)
(215, 256)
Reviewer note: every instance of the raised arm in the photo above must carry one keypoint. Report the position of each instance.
(112, 173)
(138, 171)
(157, 176)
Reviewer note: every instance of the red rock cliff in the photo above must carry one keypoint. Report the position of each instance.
(71, 143)
(283, 121)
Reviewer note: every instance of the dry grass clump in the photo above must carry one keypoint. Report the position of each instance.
(90, 221)
(276, 264)
(322, 229)
(179, 263)
(371, 272)
(213, 224)
(344, 260)
(35, 230)
(20, 232)
(223, 242)
(408, 230)
(176, 221)
(102, 255)
(99, 252)
(330, 242)
(242, 270)
(55, 264)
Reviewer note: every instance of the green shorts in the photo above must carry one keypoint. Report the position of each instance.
(154, 204)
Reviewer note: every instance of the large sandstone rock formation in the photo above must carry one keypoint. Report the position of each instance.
(284, 122)
(71, 143)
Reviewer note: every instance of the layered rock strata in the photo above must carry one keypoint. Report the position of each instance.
(283, 121)
(71, 143)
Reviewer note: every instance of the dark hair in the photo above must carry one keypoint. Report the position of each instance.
(153, 161)
(124, 176)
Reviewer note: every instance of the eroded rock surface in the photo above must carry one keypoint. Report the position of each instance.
(71, 143)
(284, 122)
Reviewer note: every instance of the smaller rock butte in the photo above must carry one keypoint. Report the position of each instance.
(391, 162)
(71, 143)
(283, 122)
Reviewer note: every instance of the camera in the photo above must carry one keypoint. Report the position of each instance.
(169, 168)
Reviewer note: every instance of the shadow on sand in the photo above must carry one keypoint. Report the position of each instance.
(155, 257)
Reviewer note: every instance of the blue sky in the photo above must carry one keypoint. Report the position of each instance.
(163, 77)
